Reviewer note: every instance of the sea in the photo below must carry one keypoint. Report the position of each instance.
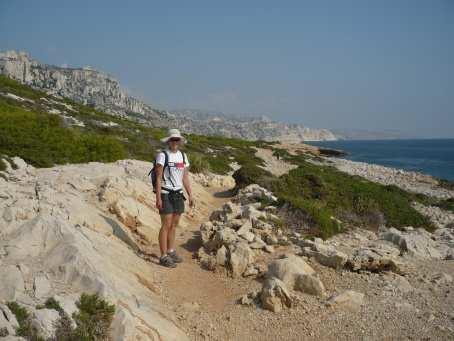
(429, 156)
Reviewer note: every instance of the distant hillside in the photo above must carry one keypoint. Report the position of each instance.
(362, 134)
(103, 92)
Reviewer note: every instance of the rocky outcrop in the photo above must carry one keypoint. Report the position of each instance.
(98, 89)
(240, 231)
(83, 85)
(81, 228)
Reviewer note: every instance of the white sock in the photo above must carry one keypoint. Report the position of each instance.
(170, 251)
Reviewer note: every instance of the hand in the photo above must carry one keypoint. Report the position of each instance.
(158, 202)
(191, 202)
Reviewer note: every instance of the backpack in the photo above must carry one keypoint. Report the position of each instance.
(152, 173)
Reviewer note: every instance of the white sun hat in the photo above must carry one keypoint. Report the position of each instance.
(173, 134)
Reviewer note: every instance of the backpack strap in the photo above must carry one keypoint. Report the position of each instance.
(166, 164)
(166, 159)
(184, 157)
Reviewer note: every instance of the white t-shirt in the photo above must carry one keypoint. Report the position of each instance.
(173, 173)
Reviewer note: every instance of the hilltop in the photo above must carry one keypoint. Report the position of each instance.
(103, 92)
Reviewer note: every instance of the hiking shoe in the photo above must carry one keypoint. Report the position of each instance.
(175, 257)
(167, 261)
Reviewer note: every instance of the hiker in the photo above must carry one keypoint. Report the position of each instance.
(172, 174)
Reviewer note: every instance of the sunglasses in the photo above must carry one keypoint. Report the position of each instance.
(175, 140)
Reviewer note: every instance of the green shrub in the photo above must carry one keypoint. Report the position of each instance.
(447, 204)
(198, 163)
(250, 174)
(25, 329)
(18, 89)
(52, 303)
(93, 318)
(42, 140)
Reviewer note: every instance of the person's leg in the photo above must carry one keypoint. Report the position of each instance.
(172, 232)
(166, 227)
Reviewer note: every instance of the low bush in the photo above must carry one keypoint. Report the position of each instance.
(93, 319)
(447, 204)
(198, 163)
(51, 303)
(42, 140)
(25, 329)
(324, 194)
(249, 174)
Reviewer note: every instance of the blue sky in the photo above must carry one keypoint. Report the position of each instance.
(338, 64)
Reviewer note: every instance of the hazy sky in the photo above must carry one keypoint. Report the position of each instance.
(338, 64)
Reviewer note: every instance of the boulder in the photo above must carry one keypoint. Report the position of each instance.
(348, 300)
(222, 256)
(225, 237)
(310, 284)
(418, 243)
(234, 223)
(231, 211)
(207, 261)
(251, 271)
(248, 236)
(250, 212)
(271, 239)
(207, 231)
(245, 228)
(269, 249)
(374, 259)
(44, 320)
(288, 269)
(274, 295)
(326, 255)
(240, 258)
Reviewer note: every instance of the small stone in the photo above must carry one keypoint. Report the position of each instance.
(349, 300)
(310, 284)
(269, 248)
(221, 256)
(274, 295)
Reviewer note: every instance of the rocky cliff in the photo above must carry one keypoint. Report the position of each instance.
(83, 85)
(98, 89)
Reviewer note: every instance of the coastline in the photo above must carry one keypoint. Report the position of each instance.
(427, 156)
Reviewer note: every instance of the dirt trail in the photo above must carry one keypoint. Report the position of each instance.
(189, 283)
(194, 294)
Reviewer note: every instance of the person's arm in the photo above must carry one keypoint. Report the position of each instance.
(187, 186)
(159, 169)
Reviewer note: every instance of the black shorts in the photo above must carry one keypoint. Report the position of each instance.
(172, 203)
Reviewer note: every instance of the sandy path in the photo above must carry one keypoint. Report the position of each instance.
(274, 165)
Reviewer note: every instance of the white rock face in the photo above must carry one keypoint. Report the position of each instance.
(83, 85)
(12, 283)
(60, 235)
(88, 86)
